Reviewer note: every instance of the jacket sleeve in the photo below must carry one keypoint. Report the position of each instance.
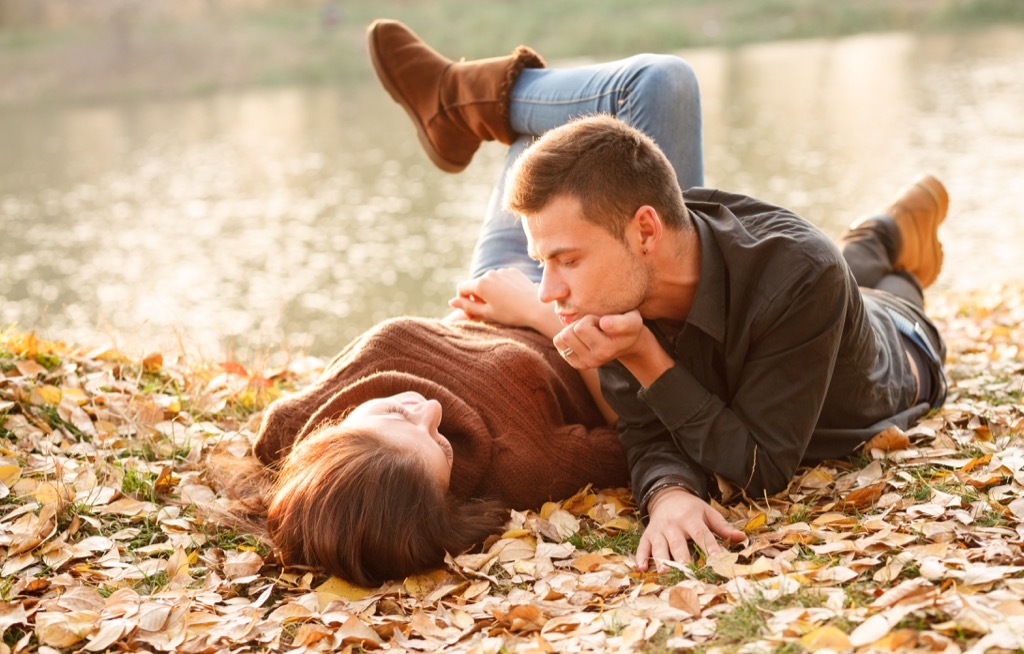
(757, 438)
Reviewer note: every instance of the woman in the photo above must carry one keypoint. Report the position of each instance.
(420, 434)
(384, 460)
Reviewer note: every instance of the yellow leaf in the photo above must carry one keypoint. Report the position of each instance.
(46, 394)
(827, 637)
(618, 524)
(76, 395)
(548, 508)
(973, 463)
(10, 474)
(816, 478)
(899, 640)
(177, 564)
(516, 533)
(337, 588)
(581, 502)
(165, 481)
(419, 586)
(47, 493)
(756, 522)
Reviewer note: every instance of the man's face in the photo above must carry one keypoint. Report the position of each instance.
(586, 269)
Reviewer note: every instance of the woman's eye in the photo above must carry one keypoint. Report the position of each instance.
(399, 409)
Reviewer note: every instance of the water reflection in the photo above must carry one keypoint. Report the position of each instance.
(302, 216)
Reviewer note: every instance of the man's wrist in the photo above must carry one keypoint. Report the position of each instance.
(649, 361)
(669, 481)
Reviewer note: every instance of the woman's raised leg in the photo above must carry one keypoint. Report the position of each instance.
(657, 94)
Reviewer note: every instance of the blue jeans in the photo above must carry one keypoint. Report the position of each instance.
(657, 94)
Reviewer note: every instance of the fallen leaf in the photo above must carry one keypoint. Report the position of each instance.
(888, 440)
(684, 599)
(826, 637)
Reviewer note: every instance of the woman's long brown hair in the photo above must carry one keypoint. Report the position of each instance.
(366, 510)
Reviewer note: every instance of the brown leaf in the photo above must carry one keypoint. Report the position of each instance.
(524, 618)
(685, 599)
(65, 629)
(862, 498)
(153, 362)
(589, 562)
(888, 440)
(29, 368)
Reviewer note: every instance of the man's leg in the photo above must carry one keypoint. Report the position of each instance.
(657, 94)
(898, 249)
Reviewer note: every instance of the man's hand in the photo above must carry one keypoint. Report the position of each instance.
(677, 518)
(596, 340)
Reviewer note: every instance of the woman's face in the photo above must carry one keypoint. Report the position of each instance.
(411, 421)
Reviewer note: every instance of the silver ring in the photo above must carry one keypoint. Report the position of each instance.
(566, 353)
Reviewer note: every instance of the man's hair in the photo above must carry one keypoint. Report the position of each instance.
(367, 510)
(611, 168)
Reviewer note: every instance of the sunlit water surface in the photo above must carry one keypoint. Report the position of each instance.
(295, 218)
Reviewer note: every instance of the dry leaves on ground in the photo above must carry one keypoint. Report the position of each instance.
(913, 544)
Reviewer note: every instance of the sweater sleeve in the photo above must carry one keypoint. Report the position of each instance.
(554, 464)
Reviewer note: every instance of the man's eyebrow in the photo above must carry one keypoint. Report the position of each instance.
(554, 254)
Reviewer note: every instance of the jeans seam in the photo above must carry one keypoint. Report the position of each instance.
(589, 98)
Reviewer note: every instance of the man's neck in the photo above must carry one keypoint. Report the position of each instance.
(675, 280)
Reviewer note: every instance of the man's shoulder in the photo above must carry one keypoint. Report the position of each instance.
(762, 233)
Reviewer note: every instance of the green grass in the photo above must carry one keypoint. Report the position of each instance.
(139, 484)
(623, 542)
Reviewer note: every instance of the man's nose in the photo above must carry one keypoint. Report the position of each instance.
(551, 287)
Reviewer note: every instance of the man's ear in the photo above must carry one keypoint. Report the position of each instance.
(646, 229)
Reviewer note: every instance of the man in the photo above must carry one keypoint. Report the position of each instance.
(733, 337)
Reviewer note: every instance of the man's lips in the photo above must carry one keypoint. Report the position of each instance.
(566, 317)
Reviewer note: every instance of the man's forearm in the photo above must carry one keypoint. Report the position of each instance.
(648, 361)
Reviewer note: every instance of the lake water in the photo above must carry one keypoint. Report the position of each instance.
(295, 218)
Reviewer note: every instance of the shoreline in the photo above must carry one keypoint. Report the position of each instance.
(157, 57)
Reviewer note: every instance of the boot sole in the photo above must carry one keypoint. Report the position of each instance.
(392, 89)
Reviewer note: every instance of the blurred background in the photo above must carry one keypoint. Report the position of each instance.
(226, 177)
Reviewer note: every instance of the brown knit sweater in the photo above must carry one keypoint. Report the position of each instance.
(521, 422)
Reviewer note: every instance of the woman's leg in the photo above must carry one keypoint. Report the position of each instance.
(657, 94)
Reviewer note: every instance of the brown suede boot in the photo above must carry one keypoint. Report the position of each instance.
(455, 105)
(918, 210)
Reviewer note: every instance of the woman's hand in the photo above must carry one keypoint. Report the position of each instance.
(508, 297)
